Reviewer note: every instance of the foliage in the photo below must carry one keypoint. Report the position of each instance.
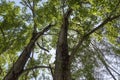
(16, 28)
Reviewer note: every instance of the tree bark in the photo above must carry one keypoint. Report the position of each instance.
(62, 66)
(19, 65)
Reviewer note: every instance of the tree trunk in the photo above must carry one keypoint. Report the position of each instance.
(19, 65)
(62, 66)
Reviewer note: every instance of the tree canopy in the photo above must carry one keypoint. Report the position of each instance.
(59, 40)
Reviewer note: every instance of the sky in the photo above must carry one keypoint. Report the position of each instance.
(17, 2)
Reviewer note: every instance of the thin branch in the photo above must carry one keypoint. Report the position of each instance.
(30, 4)
(31, 60)
(3, 34)
(103, 61)
(89, 33)
(43, 31)
(114, 70)
(51, 69)
(106, 61)
(1, 70)
(52, 34)
(34, 16)
(27, 4)
(23, 58)
(32, 8)
(35, 67)
(42, 47)
(102, 24)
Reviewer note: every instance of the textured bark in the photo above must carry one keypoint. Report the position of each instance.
(19, 65)
(62, 66)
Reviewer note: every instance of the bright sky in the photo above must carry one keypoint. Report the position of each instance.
(52, 51)
(16, 1)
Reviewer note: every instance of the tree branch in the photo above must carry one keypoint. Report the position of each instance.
(114, 70)
(42, 47)
(27, 3)
(89, 33)
(1, 70)
(35, 67)
(19, 65)
(68, 13)
(42, 32)
(3, 34)
(51, 69)
(102, 60)
(75, 49)
(102, 24)
(106, 61)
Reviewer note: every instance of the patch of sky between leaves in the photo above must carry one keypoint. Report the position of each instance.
(17, 2)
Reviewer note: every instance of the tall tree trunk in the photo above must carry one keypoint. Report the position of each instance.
(62, 66)
(19, 65)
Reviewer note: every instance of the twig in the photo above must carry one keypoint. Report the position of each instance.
(103, 61)
(51, 70)
(3, 34)
(114, 70)
(28, 4)
(107, 65)
(1, 70)
(35, 67)
(42, 47)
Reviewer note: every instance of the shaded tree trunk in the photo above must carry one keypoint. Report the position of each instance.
(19, 65)
(62, 66)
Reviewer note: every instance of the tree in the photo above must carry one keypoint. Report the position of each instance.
(71, 27)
